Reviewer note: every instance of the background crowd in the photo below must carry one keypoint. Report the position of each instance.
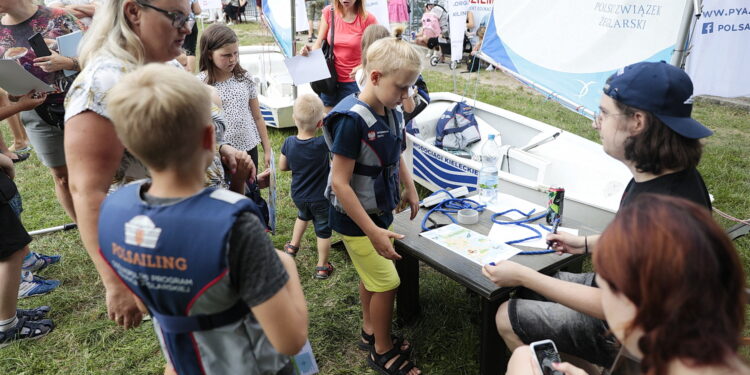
(101, 152)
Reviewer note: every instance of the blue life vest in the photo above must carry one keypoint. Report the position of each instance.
(375, 177)
(174, 258)
(457, 128)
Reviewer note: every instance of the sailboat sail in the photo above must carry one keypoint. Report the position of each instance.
(278, 17)
(569, 48)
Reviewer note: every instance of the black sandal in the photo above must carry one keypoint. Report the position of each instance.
(291, 250)
(26, 330)
(400, 366)
(369, 343)
(38, 313)
(20, 157)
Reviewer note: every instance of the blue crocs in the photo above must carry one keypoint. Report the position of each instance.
(32, 285)
(35, 262)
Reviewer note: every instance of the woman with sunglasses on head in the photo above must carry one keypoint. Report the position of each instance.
(125, 35)
(673, 295)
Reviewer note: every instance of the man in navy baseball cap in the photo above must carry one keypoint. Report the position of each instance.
(644, 122)
(662, 89)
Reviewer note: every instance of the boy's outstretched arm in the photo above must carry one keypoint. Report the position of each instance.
(342, 169)
(284, 316)
(283, 163)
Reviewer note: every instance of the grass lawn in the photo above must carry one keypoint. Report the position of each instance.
(446, 338)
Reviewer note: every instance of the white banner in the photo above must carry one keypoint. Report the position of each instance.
(457, 16)
(210, 4)
(300, 12)
(380, 9)
(719, 61)
(481, 10)
(570, 47)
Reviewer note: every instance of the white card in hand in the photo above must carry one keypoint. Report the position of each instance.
(306, 69)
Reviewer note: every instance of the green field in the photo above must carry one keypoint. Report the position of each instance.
(445, 339)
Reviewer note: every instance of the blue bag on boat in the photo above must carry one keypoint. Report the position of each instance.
(457, 128)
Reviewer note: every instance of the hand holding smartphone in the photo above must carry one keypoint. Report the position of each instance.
(39, 46)
(545, 353)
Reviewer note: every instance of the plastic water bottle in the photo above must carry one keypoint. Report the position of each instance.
(488, 179)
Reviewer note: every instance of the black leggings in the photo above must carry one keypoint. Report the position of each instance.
(254, 155)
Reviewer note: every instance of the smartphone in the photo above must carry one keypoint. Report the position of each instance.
(39, 46)
(545, 353)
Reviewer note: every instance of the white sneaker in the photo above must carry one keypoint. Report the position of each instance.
(230, 24)
(490, 68)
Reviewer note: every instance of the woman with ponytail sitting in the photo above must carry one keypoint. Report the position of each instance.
(673, 295)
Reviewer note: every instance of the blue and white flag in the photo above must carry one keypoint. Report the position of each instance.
(278, 16)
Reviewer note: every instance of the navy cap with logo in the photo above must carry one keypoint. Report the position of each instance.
(661, 89)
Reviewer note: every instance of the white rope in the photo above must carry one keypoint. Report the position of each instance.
(730, 217)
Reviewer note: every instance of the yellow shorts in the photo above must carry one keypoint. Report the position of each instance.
(378, 274)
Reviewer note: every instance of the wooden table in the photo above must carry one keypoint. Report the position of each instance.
(493, 354)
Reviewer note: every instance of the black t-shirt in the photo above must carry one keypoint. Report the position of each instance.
(308, 159)
(687, 184)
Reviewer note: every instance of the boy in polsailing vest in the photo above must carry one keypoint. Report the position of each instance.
(365, 134)
(223, 300)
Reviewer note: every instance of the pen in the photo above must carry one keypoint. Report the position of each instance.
(554, 230)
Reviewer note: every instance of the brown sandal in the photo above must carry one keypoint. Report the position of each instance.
(322, 273)
(291, 250)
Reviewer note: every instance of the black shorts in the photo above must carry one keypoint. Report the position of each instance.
(432, 43)
(191, 40)
(231, 11)
(318, 213)
(13, 236)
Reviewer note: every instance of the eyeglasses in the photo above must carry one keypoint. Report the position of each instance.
(599, 116)
(178, 19)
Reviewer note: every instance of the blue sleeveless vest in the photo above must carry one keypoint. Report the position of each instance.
(375, 178)
(173, 257)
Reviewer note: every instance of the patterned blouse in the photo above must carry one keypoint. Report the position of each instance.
(88, 93)
(242, 132)
(51, 23)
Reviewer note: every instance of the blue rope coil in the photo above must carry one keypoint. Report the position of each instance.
(523, 223)
(452, 205)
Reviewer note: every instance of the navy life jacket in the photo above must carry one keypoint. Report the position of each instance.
(375, 177)
(174, 258)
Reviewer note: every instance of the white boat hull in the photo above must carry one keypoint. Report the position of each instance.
(275, 94)
(593, 181)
